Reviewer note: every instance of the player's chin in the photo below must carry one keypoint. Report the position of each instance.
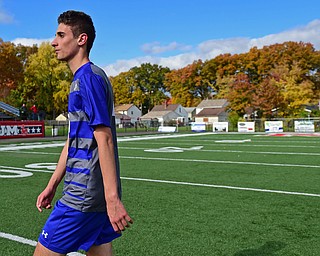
(60, 57)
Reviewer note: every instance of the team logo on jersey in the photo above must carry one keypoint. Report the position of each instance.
(44, 234)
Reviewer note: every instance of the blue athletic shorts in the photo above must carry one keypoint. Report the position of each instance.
(69, 230)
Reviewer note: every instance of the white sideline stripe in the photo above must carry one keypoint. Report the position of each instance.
(194, 184)
(23, 240)
(18, 239)
(210, 143)
(236, 151)
(202, 150)
(158, 136)
(223, 186)
(120, 139)
(217, 161)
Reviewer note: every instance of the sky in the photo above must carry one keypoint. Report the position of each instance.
(170, 33)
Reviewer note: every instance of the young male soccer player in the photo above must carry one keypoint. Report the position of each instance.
(90, 213)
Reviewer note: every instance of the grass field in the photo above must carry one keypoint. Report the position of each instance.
(189, 194)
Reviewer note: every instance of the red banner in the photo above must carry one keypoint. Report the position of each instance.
(21, 129)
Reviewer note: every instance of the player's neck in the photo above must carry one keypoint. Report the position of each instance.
(77, 62)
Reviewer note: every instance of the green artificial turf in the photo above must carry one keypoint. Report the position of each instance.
(217, 200)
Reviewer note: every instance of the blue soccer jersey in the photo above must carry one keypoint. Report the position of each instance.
(90, 105)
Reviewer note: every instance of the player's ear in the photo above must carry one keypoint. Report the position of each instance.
(82, 39)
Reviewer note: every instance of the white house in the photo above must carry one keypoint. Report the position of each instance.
(209, 111)
(191, 113)
(211, 115)
(129, 110)
(180, 113)
(161, 116)
(122, 120)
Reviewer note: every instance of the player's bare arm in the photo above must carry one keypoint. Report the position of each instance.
(117, 213)
(45, 198)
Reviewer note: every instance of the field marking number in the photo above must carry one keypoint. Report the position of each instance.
(9, 174)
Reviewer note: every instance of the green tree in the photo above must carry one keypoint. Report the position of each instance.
(46, 81)
(147, 82)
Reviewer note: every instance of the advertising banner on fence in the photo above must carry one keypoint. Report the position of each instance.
(273, 126)
(198, 127)
(167, 129)
(21, 129)
(245, 126)
(220, 126)
(303, 126)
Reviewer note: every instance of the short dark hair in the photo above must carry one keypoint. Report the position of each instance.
(79, 23)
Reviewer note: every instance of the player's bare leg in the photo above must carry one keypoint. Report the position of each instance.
(100, 250)
(43, 251)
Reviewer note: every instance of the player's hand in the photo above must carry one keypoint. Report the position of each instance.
(44, 199)
(119, 218)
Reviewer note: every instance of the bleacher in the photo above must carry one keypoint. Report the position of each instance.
(5, 117)
(8, 112)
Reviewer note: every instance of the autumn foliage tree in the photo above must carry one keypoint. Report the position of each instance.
(283, 77)
(11, 69)
(191, 84)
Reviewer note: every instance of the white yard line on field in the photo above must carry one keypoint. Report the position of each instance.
(217, 161)
(235, 151)
(120, 139)
(194, 184)
(31, 146)
(222, 186)
(23, 240)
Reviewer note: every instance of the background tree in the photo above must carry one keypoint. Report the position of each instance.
(23, 52)
(267, 99)
(281, 76)
(296, 90)
(239, 92)
(11, 69)
(148, 83)
(46, 81)
(190, 85)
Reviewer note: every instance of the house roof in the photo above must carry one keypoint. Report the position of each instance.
(122, 116)
(210, 112)
(166, 107)
(62, 117)
(123, 107)
(217, 103)
(190, 109)
(155, 114)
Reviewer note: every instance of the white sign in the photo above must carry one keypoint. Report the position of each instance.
(273, 126)
(245, 126)
(198, 127)
(166, 129)
(220, 126)
(303, 126)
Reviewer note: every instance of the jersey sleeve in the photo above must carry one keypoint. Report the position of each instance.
(95, 100)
